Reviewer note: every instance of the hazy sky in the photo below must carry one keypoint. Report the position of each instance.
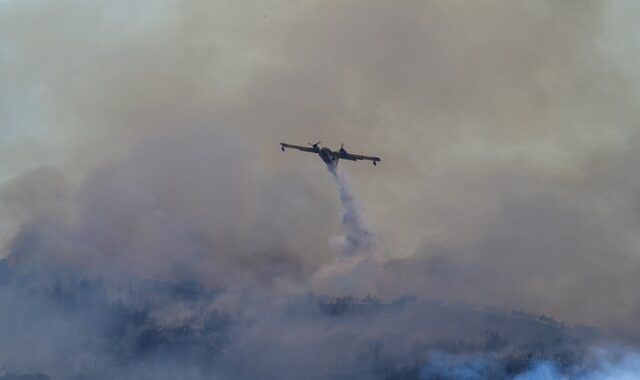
(507, 131)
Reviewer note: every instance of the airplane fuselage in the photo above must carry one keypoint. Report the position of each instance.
(327, 157)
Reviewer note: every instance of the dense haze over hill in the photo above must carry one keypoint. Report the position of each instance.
(139, 158)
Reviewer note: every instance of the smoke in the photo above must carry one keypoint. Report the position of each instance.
(509, 129)
(152, 228)
(599, 363)
(127, 271)
(604, 363)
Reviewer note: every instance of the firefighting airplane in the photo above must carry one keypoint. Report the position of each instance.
(328, 156)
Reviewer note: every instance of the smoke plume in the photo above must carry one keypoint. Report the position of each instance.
(152, 229)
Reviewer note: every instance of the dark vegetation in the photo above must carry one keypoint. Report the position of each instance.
(125, 331)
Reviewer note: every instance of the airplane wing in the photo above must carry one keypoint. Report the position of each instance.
(356, 157)
(302, 148)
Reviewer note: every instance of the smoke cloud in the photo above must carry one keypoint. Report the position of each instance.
(151, 227)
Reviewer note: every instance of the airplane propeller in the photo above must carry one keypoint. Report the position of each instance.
(315, 143)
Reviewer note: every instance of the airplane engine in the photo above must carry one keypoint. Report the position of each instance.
(282, 148)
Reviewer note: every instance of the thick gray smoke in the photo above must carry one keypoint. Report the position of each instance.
(151, 228)
(118, 277)
(508, 130)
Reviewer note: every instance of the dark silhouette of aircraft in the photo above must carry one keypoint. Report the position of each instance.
(329, 156)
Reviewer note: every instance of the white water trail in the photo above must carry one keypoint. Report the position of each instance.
(355, 270)
(358, 240)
